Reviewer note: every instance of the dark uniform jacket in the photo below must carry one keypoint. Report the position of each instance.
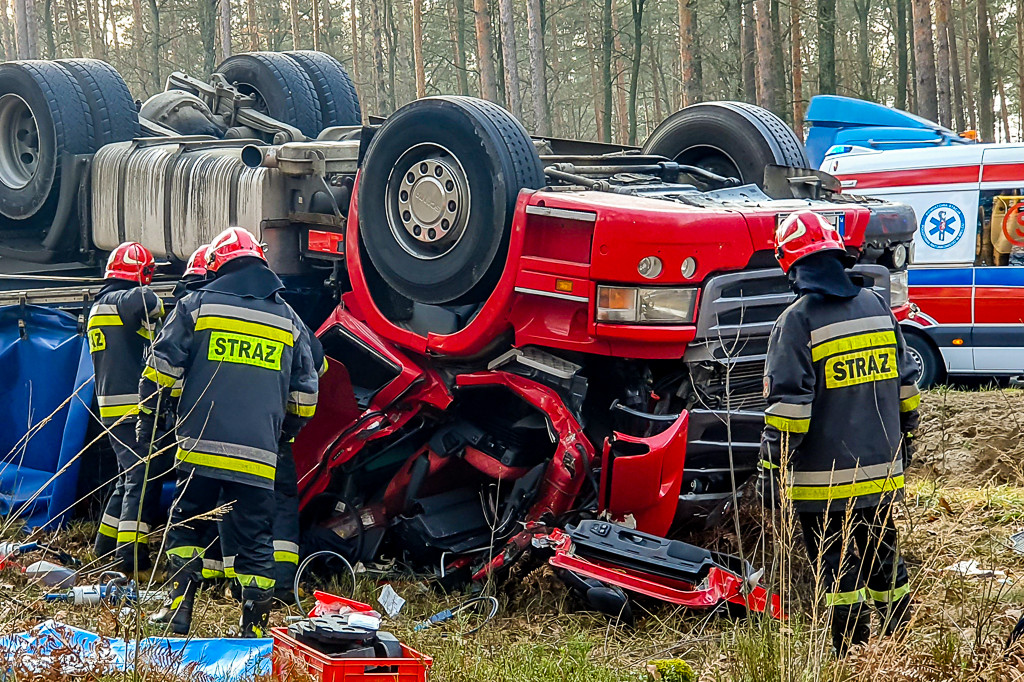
(243, 356)
(841, 392)
(122, 323)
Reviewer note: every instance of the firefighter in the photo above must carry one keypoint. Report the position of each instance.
(122, 322)
(842, 407)
(248, 380)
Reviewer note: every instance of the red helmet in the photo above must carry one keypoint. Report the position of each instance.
(131, 261)
(232, 243)
(197, 262)
(803, 233)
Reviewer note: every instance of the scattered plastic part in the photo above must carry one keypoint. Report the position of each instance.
(409, 666)
(117, 589)
(448, 614)
(51, 574)
(971, 569)
(391, 601)
(52, 644)
(1017, 540)
(305, 563)
(327, 603)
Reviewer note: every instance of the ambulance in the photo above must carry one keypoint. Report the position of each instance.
(966, 278)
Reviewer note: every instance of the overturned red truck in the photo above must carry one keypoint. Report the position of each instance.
(533, 342)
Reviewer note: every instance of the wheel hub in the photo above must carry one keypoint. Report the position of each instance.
(19, 142)
(429, 199)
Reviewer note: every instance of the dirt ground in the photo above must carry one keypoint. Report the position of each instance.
(965, 499)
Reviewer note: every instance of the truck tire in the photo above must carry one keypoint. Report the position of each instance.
(282, 90)
(927, 358)
(43, 116)
(339, 103)
(115, 117)
(437, 196)
(734, 139)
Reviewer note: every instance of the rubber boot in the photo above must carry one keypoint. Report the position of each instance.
(851, 625)
(895, 616)
(177, 608)
(256, 605)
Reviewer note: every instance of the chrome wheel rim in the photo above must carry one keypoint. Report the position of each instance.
(19, 142)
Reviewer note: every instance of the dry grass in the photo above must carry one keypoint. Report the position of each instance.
(965, 499)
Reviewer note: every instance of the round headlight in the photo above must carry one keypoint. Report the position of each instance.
(689, 267)
(899, 256)
(649, 267)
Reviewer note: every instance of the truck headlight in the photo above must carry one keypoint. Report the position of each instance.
(646, 305)
(899, 291)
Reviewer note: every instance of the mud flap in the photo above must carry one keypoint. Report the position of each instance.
(656, 567)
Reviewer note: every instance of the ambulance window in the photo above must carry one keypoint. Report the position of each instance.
(1001, 223)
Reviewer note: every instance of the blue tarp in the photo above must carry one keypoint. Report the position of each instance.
(43, 362)
(53, 646)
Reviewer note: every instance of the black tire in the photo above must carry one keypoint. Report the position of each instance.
(339, 103)
(733, 139)
(114, 115)
(56, 122)
(928, 360)
(496, 159)
(284, 91)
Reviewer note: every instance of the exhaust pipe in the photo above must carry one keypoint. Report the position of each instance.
(255, 156)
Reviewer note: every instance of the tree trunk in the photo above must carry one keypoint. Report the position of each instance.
(942, 68)
(972, 120)
(138, 41)
(863, 10)
(687, 39)
(207, 17)
(484, 50)
(252, 29)
(392, 51)
(74, 28)
(622, 112)
(326, 25)
(510, 58)
(314, 16)
(1020, 63)
(154, 52)
(652, 53)
(798, 68)
(900, 35)
(460, 47)
(417, 48)
(51, 45)
(294, 10)
(958, 88)
(778, 58)
(378, 57)
(538, 74)
(637, 7)
(748, 48)
(95, 40)
(109, 17)
(767, 68)
(998, 76)
(596, 63)
(225, 28)
(986, 108)
(912, 52)
(355, 42)
(827, 47)
(606, 70)
(24, 20)
(6, 48)
(924, 52)
(552, 50)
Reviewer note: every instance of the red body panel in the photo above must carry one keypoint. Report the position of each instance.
(948, 305)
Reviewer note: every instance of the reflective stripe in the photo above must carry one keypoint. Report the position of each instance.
(176, 602)
(108, 530)
(850, 343)
(791, 410)
(846, 598)
(227, 324)
(160, 311)
(249, 315)
(230, 450)
(133, 525)
(158, 377)
(842, 476)
(303, 398)
(248, 580)
(843, 492)
(103, 309)
(229, 572)
(909, 391)
(301, 410)
(212, 568)
(146, 333)
(765, 464)
(105, 321)
(229, 561)
(241, 466)
(788, 425)
(286, 557)
(175, 392)
(111, 520)
(118, 411)
(164, 367)
(910, 404)
(889, 596)
(130, 537)
(211, 574)
(186, 551)
(323, 369)
(846, 327)
(121, 399)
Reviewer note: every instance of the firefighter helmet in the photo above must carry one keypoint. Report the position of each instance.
(232, 243)
(197, 262)
(131, 261)
(803, 233)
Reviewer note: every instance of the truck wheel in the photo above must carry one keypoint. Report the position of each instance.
(927, 359)
(339, 103)
(43, 116)
(734, 139)
(282, 90)
(114, 115)
(438, 193)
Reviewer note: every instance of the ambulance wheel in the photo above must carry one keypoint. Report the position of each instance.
(927, 359)
(732, 139)
(439, 189)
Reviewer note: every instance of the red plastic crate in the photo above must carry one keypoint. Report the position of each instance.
(413, 667)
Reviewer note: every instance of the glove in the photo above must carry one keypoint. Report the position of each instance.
(767, 487)
(907, 449)
(145, 425)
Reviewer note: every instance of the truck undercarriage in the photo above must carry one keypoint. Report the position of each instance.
(534, 343)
